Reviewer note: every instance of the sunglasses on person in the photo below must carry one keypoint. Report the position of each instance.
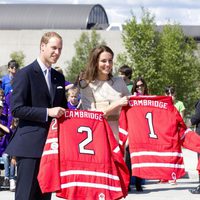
(141, 85)
(169, 92)
(12, 67)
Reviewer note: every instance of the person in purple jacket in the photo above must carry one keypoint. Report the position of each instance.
(73, 98)
(6, 105)
(5, 135)
(7, 108)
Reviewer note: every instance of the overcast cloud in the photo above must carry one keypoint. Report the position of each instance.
(185, 12)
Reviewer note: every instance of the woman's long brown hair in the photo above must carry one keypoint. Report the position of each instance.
(92, 64)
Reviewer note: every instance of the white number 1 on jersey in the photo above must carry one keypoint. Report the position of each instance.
(150, 123)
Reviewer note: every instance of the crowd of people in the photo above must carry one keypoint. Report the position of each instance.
(8, 125)
(40, 92)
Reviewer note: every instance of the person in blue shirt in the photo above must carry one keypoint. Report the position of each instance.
(6, 80)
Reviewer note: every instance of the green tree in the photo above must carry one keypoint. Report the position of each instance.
(19, 57)
(141, 41)
(162, 58)
(180, 65)
(87, 41)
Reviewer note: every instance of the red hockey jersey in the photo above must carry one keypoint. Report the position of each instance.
(155, 131)
(82, 160)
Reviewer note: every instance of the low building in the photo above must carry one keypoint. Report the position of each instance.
(52, 16)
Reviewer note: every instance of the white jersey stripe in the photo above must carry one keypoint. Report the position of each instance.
(123, 131)
(51, 140)
(50, 152)
(155, 153)
(116, 150)
(120, 142)
(89, 173)
(187, 130)
(92, 185)
(168, 165)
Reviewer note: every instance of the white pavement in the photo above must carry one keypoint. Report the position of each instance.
(155, 191)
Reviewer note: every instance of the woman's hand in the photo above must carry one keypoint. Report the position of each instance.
(115, 105)
(123, 101)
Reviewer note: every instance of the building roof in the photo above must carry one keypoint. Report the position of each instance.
(188, 30)
(52, 16)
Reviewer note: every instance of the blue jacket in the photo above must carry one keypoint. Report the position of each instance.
(6, 84)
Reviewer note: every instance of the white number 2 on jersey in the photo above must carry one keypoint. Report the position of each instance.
(150, 123)
(85, 142)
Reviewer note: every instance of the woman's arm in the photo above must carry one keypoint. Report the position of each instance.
(115, 105)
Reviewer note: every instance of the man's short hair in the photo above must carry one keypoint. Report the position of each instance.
(12, 64)
(126, 70)
(48, 35)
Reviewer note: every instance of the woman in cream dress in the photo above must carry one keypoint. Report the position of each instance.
(100, 91)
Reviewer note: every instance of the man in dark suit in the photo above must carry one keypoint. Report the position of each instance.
(35, 101)
(195, 120)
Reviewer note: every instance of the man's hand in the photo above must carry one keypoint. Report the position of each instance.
(14, 160)
(56, 112)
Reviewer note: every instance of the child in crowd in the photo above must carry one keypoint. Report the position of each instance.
(73, 98)
(6, 105)
(5, 134)
(2, 98)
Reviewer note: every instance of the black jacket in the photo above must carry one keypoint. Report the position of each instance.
(29, 102)
(195, 119)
